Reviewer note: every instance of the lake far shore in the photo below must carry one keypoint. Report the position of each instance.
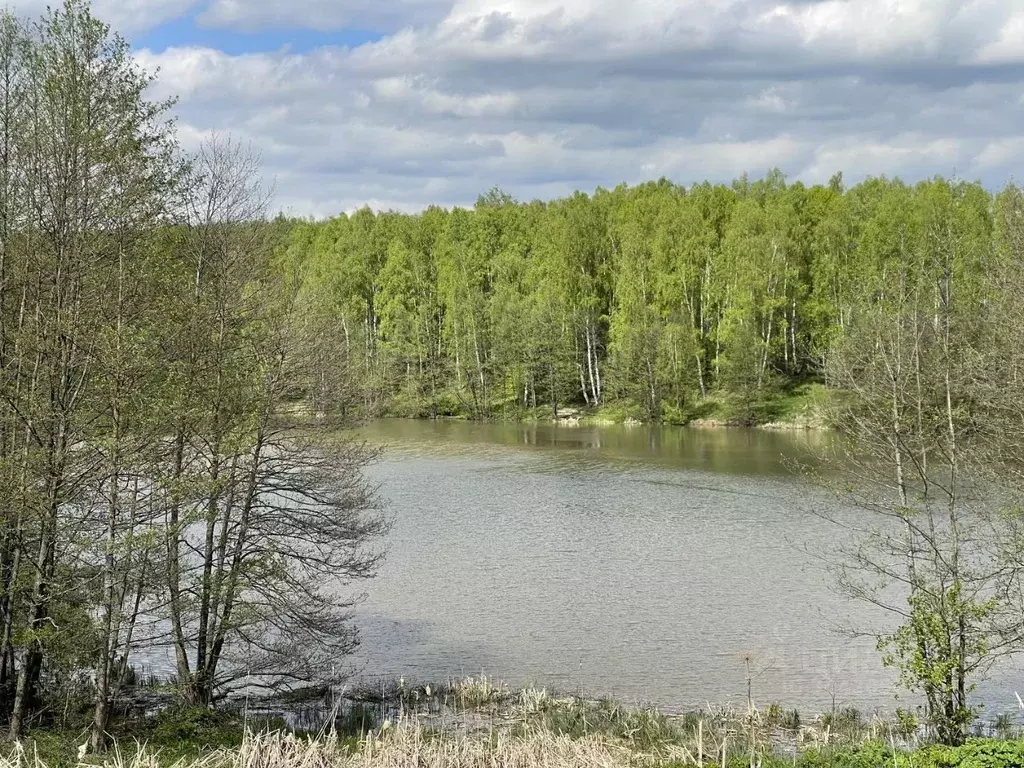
(802, 408)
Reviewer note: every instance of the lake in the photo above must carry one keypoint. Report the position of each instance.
(645, 563)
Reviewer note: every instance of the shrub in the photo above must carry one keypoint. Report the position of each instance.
(976, 753)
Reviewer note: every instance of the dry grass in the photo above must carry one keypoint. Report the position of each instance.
(534, 700)
(482, 719)
(479, 692)
(411, 746)
(481, 722)
(402, 746)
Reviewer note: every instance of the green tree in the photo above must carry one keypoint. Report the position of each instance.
(905, 367)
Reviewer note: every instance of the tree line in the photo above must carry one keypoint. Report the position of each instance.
(153, 493)
(663, 299)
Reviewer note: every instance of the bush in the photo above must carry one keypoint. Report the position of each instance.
(676, 414)
(195, 726)
(871, 755)
(976, 753)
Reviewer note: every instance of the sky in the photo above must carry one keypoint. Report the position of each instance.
(406, 103)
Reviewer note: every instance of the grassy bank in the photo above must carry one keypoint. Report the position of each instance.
(408, 746)
(800, 406)
(479, 722)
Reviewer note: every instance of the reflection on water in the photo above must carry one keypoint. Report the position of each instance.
(643, 563)
(732, 451)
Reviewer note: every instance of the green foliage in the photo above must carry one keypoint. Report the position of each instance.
(981, 753)
(919, 648)
(870, 755)
(657, 297)
(141, 359)
(616, 413)
(906, 722)
(173, 733)
(191, 727)
(56, 748)
(977, 753)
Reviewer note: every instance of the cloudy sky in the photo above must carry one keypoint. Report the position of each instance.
(404, 103)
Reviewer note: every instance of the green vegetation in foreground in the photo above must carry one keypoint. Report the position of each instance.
(480, 722)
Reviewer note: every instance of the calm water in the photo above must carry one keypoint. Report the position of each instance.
(642, 563)
(645, 564)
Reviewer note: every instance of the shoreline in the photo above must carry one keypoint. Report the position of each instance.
(572, 417)
(480, 722)
(801, 409)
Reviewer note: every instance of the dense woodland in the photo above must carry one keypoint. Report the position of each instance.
(668, 301)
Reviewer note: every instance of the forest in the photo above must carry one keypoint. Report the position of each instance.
(657, 302)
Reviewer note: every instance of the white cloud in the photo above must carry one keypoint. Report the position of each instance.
(1008, 47)
(1001, 153)
(869, 28)
(768, 100)
(915, 153)
(542, 98)
(131, 17)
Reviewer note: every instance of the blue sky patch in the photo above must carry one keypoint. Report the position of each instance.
(185, 31)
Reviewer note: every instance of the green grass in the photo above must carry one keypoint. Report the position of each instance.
(613, 413)
(976, 753)
(803, 403)
(174, 734)
(796, 404)
(642, 729)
